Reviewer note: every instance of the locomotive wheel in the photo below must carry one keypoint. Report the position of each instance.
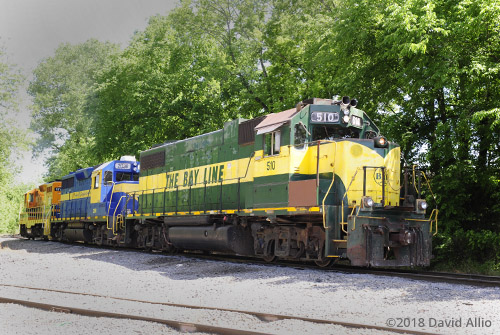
(269, 258)
(323, 263)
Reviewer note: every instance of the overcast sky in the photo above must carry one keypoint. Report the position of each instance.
(31, 30)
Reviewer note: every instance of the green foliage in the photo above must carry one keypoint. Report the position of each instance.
(10, 138)
(62, 90)
(186, 74)
(468, 251)
(11, 197)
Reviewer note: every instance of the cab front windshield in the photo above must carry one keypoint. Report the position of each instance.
(331, 132)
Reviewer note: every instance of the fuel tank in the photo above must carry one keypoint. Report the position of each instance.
(234, 239)
(73, 235)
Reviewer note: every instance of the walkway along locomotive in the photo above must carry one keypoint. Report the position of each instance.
(317, 182)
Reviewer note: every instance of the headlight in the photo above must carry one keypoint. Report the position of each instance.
(345, 118)
(380, 142)
(367, 203)
(421, 206)
(347, 112)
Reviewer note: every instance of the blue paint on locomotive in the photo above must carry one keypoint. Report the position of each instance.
(75, 193)
(86, 193)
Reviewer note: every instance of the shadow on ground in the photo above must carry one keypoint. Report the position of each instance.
(182, 267)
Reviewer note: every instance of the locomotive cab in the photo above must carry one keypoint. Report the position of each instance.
(111, 182)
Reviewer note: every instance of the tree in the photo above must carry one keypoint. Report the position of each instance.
(62, 91)
(173, 81)
(10, 137)
(189, 72)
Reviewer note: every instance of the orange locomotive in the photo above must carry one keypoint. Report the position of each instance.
(41, 205)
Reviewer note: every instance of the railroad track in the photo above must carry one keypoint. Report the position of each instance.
(445, 277)
(186, 326)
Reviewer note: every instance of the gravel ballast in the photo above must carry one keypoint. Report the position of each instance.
(357, 298)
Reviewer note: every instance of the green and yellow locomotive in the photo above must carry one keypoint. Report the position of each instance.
(317, 182)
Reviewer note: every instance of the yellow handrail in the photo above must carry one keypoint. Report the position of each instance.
(347, 190)
(434, 212)
(114, 214)
(426, 180)
(109, 207)
(354, 220)
(330, 187)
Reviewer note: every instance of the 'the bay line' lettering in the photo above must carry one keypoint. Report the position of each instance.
(211, 175)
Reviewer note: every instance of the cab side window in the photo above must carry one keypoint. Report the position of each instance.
(108, 177)
(123, 176)
(300, 136)
(272, 143)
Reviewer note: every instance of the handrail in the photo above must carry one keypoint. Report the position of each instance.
(426, 180)
(110, 199)
(331, 184)
(434, 212)
(347, 190)
(114, 214)
(239, 178)
(354, 220)
(45, 219)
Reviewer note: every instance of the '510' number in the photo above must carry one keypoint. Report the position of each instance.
(271, 165)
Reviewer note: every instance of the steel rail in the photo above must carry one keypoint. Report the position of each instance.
(266, 317)
(181, 326)
(444, 277)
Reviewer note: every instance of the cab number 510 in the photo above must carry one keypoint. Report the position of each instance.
(271, 165)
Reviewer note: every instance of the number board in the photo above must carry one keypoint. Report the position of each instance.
(324, 117)
(123, 166)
